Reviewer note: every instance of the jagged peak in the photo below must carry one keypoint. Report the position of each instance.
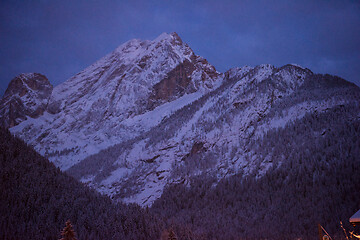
(265, 70)
(28, 80)
(130, 45)
(136, 48)
(168, 37)
(296, 65)
(32, 76)
(238, 71)
(164, 37)
(295, 68)
(265, 67)
(26, 95)
(134, 42)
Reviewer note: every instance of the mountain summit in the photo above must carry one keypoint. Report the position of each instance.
(100, 102)
(26, 96)
(153, 113)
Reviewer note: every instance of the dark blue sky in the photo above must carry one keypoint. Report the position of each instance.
(60, 38)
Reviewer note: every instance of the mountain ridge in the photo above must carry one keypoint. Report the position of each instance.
(152, 113)
(118, 87)
(26, 95)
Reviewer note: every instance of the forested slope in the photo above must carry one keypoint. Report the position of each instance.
(314, 178)
(37, 199)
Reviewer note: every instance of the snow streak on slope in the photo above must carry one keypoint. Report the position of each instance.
(211, 135)
(117, 98)
(26, 96)
(153, 113)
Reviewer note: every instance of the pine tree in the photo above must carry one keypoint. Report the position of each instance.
(68, 232)
(172, 235)
(168, 235)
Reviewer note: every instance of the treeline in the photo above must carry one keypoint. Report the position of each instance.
(314, 178)
(37, 199)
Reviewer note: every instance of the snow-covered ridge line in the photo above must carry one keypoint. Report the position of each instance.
(109, 101)
(152, 113)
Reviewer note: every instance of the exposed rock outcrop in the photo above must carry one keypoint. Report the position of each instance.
(26, 96)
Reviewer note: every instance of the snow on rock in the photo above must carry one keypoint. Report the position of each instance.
(26, 97)
(214, 130)
(152, 113)
(118, 97)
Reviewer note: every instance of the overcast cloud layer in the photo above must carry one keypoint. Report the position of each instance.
(60, 38)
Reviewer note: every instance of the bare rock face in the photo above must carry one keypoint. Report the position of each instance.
(190, 76)
(26, 96)
(175, 84)
(152, 113)
(117, 96)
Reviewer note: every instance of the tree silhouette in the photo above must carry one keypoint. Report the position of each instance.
(68, 232)
(172, 235)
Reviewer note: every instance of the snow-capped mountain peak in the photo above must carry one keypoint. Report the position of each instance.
(152, 112)
(94, 108)
(26, 95)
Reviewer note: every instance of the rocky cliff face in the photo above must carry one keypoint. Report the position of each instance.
(109, 102)
(215, 134)
(179, 81)
(152, 113)
(26, 96)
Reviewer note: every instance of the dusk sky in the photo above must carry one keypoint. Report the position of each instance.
(61, 38)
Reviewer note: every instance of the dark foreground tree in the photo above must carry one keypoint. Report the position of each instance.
(168, 235)
(68, 232)
(172, 235)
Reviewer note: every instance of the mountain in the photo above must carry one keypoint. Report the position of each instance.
(153, 113)
(112, 100)
(215, 133)
(37, 199)
(26, 96)
(313, 179)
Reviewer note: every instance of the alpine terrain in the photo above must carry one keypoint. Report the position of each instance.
(152, 114)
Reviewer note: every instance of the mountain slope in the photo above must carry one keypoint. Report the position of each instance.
(26, 96)
(108, 102)
(152, 113)
(313, 179)
(37, 199)
(213, 134)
